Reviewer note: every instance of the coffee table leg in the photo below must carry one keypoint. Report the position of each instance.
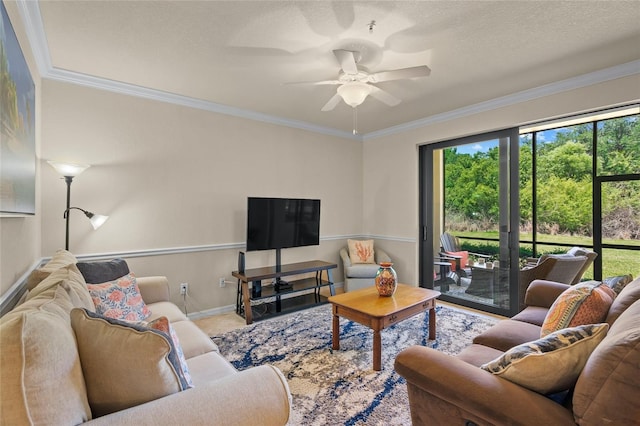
(432, 322)
(377, 350)
(335, 338)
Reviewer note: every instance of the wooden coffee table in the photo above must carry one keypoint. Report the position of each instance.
(376, 312)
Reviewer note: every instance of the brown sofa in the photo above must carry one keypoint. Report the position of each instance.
(44, 368)
(453, 390)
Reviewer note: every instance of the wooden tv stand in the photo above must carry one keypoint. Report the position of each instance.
(279, 293)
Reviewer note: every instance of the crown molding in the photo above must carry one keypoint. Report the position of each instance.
(32, 20)
(619, 71)
(160, 96)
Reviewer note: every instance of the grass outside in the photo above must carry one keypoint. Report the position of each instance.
(614, 262)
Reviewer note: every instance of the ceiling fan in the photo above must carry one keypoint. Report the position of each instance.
(356, 83)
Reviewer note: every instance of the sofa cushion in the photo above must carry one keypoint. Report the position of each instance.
(42, 381)
(478, 354)
(71, 278)
(119, 299)
(464, 259)
(543, 293)
(551, 363)
(124, 364)
(583, 303)
(101, 272)
(627, 297)
(508, 333)
(361, 251)
(166, 309)
(60, 259)
(607, 390)
(193, 340)
(555, 256)
(532, 315)
(209, 367)
(362, 270)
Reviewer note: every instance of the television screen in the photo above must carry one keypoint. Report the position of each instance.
(275, 223)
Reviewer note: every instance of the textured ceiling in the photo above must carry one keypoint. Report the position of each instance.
(239, 53)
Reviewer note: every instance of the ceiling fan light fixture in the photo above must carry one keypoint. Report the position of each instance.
(354, 93)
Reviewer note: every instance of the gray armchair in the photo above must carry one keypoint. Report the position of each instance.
(561, 269)
(361, 275)
(573, 252)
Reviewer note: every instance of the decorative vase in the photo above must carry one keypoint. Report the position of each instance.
(386, 280)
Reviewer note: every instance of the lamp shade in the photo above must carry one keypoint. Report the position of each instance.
(354, 93)
(97, 220)
(68, 169)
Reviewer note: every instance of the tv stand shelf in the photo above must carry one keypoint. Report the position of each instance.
(280, 299)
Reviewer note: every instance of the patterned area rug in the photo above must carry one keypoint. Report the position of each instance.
(340, 387)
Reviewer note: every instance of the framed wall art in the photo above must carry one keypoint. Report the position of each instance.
(17, 126)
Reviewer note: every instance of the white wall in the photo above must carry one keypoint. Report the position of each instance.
(173, 177)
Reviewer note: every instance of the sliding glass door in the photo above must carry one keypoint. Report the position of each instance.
(469, 220)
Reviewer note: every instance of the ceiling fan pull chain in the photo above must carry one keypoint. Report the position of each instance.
(355, 120)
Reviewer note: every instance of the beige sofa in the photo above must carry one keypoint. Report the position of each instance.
(446, 389)
(45, 380)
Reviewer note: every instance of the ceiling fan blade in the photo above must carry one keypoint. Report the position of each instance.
(347, 61)
(335, 100)
(383, 96)
(313, 83)
(412, 72)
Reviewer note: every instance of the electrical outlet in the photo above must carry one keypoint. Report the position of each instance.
(223, 282)
(184, 287)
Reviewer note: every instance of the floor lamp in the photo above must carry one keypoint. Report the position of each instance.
(69, 171)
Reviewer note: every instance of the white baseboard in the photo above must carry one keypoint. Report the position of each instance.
(210, 312)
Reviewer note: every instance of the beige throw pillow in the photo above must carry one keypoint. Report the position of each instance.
(552, 363)
(361, 251)
(124, 364)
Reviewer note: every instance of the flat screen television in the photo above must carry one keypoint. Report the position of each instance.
(277, 223)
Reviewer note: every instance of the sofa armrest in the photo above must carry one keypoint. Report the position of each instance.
(344, 255)
(154, 289)
(259, 395)
(543, 293)
(470, 392)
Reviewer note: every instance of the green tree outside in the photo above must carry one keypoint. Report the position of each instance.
(564, 163)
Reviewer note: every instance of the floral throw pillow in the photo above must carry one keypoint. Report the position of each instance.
(119, 299)
(162, 324)
(361, 251)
